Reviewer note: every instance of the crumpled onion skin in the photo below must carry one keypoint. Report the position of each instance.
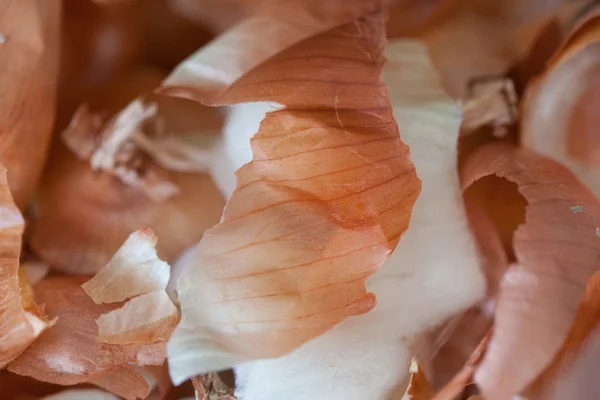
(69, 352)
(559, 117)
(29, 75)
(18, 326)
(557, 250)
(321, 206)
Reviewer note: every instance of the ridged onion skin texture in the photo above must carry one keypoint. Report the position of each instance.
(321, 206)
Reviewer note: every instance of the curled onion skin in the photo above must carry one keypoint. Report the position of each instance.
(556, 249)
(323, 203)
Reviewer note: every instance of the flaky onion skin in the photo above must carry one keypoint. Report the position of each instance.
(83, 217)
(28, 78)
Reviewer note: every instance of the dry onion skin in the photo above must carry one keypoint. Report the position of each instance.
(559, 113)
(29, 31)
(135, 272)
(69, 352)
(135, 269)
(354, 191)
(412, 280)
(363, 252)
(557, 249)
(19, 323)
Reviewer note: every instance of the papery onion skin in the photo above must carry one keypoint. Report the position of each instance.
(135, 269)
(69, 353)
(134, 273)
(30, 32)
(323, 203)
(557, 249)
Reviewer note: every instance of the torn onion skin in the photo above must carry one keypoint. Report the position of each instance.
(135, 269)
(20, 320)
(556, 249)
(69, 352)
(321, 206)
(136, 274)
(29, 76)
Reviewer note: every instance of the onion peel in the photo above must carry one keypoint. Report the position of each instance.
(559, 230)
(68, 353)
(323, 203)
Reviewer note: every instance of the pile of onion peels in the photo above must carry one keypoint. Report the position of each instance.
(299, 199)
